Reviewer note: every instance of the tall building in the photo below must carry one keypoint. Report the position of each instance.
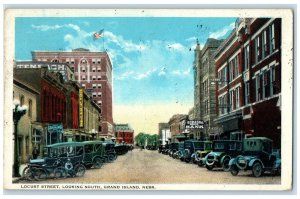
(205, 88)
(248, 65)
(93, 70)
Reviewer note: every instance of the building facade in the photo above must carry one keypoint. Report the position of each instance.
(124, 133)
(27, 96)
(205, 88)
(93, 70)
(248, 65)
(177, 126)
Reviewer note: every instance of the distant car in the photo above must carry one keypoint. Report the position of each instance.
(191, 147)
(173, 149)
(223, 151)
(258, 156)
(121, 149)
(94, 154)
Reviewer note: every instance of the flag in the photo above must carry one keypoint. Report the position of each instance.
(98, 35)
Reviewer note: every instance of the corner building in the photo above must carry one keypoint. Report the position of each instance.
(248, 66)
(93, 70)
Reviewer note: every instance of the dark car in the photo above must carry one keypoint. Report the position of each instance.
(191, 147)
(59, 160)
(109, 151)
(121, 149)
(94, 154)
(223, 151)
(258, 156)
(173, 149)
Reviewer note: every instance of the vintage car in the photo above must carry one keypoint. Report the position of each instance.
(94, 154)
(121, 149)
(222, 152)
(191, 147)
(258, 156)
(109, 152)
(180, 154)
(173, 148)
(199, 155)
(166, 149)
(59, 160)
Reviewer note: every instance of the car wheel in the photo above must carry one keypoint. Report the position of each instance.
(98, 163)
(257, 169)
(60, 172)
(27, 173)
(225, 164)
(234, 170)
(79, 170)
(210, 167)
(200, 163)
(187, 160)
(111, 157)
(42, 174)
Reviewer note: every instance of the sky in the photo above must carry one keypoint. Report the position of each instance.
(152, 58)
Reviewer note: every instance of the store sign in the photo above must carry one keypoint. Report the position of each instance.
(81, 107)
(55, 128)
(194, 124)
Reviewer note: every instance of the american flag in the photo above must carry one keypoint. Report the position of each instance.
(98, 34)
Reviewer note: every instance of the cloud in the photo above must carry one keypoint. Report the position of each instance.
(181, 72)
(145, 75)
(126, 45)
(55, 27)
(193, 39)
(125, 75)
(176, 46)
(220, 33)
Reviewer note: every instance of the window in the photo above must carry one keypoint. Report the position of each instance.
(246, 58)
(98, 61)
(231, 100)
(99, 69)
(272, 80)
(99, 103)
(272, 38)
(257, 89)
(67, 60)
(237, 97)
(88, 148)
(22, 100)
(230, 71)
(264, 45)
(83, 69)
(99, 94)
(99, 77)
(94, 77)
(257, 50)
(94, 94)
(99, 86)
(83, 77)
(94, 86)
(83, 85)
(247, 93)
(236, 67)
(94, 69)
(30, 108)
(72, 61)
(265, 84)
(94, 61)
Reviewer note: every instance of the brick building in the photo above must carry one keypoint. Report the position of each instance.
(205, 87)
(124, 133)
(248, 65)
(177, 126)
(93, 70)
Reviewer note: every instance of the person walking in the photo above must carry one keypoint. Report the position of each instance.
(35, 153)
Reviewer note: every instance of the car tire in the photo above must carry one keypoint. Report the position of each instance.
(187, 160)
(59, 172)
(209, 167)
(200, 163)
(225, 164)
(234, 170)
(257, 169)
(98, 163)
(79, 170)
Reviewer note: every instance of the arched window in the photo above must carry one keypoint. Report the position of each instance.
(29, 108)
(22, 100)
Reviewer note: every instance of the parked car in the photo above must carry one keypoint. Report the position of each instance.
(191, 147)
(94, 154)
(258, 156)
(59, 160)
(109, 152)
(199, 155)
(121, 149)
(173, 148)
(180, 154)
(223, 151)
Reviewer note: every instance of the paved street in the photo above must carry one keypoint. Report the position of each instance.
(151, 167)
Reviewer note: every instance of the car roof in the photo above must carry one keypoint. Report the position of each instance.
(260, 138)
(66, 144)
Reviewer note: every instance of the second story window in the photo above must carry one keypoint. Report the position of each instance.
(272, 38)
(247, 93)
(246, 58)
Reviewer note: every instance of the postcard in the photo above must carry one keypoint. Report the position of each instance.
(148, 99)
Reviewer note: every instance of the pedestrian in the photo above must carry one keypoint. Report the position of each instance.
(35, 153)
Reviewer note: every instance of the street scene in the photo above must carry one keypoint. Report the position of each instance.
(139, 100)
(131, 167)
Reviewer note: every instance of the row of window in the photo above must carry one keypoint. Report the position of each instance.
(95, 94)
(71, 61)
(83, 77)
(264, 87)
(83, 69)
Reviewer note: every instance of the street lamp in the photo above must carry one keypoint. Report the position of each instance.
(18, 112)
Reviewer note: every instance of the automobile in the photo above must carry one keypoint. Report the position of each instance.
(258, 156)
(109, 151)
(58, 160)
(166, 149)
(191, 147)
(222, 152)
(180, 154)
(199, 155)
(121, 149)
(160, 148)
(173, 148)
(94, 154)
